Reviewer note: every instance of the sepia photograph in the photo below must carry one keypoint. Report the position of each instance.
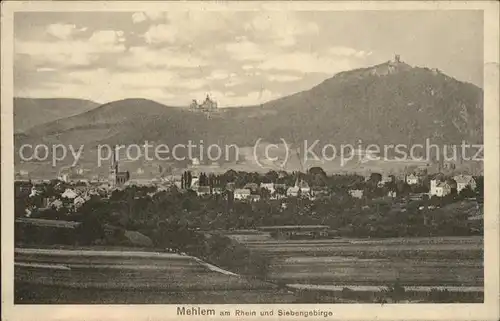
(291, 158)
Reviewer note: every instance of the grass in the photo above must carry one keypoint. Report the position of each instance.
(416, 261)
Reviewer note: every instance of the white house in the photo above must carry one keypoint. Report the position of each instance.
(57, 204)
(268, 186)
(356, 193)
(301, 187)
(392, 194)
(217, 191)
(254, 198)
(386, 179)
(195, 182)
(34, 191)
(413, 179)
(251, 186)
(69, 193)
(463, 181)
(241, 193)
(79, 201)
(439, 188)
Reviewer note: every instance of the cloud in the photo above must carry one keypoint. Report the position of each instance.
(221, 75)
(72, 52)
(245, 50)
(155, 15)
(109, 39)
(280, 26)
(306, 62)
(161, 33)
(138, 17)
(348, 52)
(188, 27)
(143, 56)
(102, 93)
(105, 85)
(174, 56)
(127, 81)
(283, 78)
(62, 31)
(45, 69)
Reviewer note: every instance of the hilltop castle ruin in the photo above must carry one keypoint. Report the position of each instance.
(207, 106)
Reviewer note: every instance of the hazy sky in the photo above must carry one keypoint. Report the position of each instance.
(240, 58)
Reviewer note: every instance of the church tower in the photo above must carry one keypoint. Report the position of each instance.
(113, 169)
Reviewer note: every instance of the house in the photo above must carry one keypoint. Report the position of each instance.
(439, 188)
(79, 201)
(301, 188)
(35, 191)
(386, 179)
(241, 193)
(79, 189)
(56, 204)
(69, 193)
(252, 187)
(269, 187)
(413, 179)
(195, 183)
(254, 198)
(356, 193)
(463, 181)
(279, 191)
(392, 194)
(25, 188)
(217, 191)
(46, 201)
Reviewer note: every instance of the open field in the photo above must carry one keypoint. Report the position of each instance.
(321, 267)
(85, 276)
(445, 261)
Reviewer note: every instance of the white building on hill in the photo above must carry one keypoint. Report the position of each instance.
(241, 193)
(301, 188)
(439, 188)
(69, 193)
(463, 181)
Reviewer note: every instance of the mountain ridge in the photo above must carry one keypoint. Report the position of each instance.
(388, 103)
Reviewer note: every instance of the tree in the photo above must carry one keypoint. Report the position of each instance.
(270, 177)
(375, 178)
(265, 193)
(403, 188)
(466, 192)
(317, 171)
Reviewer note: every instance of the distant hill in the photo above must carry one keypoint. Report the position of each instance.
(389, 103)
(30, 112)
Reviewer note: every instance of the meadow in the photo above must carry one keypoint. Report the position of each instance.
(433, 261)
(93, 276)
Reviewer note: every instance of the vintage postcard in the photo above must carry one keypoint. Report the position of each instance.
(250, 160)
